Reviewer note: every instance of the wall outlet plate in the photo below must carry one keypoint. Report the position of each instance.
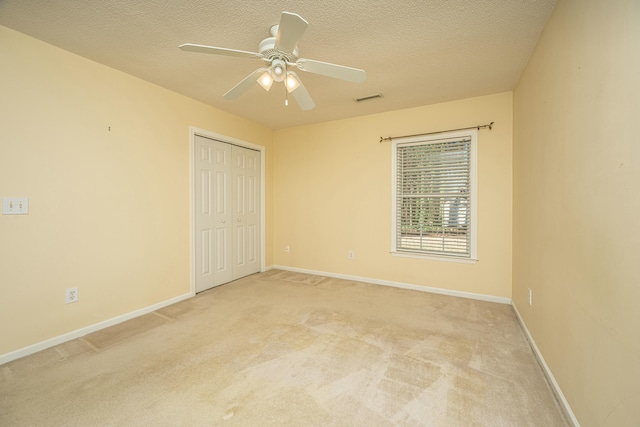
(71, 295)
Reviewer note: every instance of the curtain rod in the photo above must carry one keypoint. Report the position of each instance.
(389, 138)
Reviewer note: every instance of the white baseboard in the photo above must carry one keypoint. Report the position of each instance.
(554, 384)
(43, 345)
(470, 295)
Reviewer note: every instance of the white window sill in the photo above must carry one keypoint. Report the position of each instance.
(434, 257)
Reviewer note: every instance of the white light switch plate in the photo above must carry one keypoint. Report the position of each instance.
(15, 206)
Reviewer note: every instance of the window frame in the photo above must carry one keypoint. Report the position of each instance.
(472, 258)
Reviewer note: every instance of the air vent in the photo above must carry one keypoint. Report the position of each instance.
(369, 98)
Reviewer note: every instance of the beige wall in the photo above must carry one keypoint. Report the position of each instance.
(109, 210)
(333, 194)
(577, 203)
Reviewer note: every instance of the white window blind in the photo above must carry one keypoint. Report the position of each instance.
(434, 196)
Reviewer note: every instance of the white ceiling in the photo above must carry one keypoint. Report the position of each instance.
(415, 52)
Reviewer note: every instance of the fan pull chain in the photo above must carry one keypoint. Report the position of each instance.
(286, 96)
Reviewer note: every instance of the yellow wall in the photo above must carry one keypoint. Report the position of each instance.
(577, 204)
(333, 194)
(109, 210)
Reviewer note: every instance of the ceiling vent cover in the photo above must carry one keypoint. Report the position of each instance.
(369, 98)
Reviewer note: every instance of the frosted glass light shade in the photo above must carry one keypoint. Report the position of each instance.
(265, 80)
(291, 82)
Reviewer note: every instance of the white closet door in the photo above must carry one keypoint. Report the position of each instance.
(214, 225)
(246, 211)
(227, 205)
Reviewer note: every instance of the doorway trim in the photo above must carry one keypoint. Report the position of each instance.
(193, 131)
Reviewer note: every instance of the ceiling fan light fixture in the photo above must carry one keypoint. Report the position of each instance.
(291, 82)
(265, 80)
(278, 70)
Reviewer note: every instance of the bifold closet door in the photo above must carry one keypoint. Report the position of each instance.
(213, 213)
(227, 204)
(246, 211)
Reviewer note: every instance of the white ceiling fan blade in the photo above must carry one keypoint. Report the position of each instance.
(189, 47)
(302, 96)
(245, 84)
(290, 29)
(332, 70)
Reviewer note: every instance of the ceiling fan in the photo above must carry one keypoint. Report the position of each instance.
(280, 53)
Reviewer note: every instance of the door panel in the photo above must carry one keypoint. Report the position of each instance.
(204, 219)
(205, 249)
(252, 240)
(227, 206)
(246, 174)
(222, 260)
(213, 216)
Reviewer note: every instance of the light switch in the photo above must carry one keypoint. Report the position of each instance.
(15, 205)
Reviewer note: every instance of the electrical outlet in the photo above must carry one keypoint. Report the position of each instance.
(71, 295)
(352, 255)
(287, 249)
(530, 296)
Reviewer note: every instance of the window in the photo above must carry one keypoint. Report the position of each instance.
(434, 196)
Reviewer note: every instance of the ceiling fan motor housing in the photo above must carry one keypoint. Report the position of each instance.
(270, 52)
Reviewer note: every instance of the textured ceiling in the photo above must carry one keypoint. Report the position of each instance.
(414, 52)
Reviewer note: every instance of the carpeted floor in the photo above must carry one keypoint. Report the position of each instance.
(289, 349)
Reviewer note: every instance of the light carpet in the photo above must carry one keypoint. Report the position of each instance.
(289, 349)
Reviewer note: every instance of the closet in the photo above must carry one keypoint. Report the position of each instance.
(227, 212)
